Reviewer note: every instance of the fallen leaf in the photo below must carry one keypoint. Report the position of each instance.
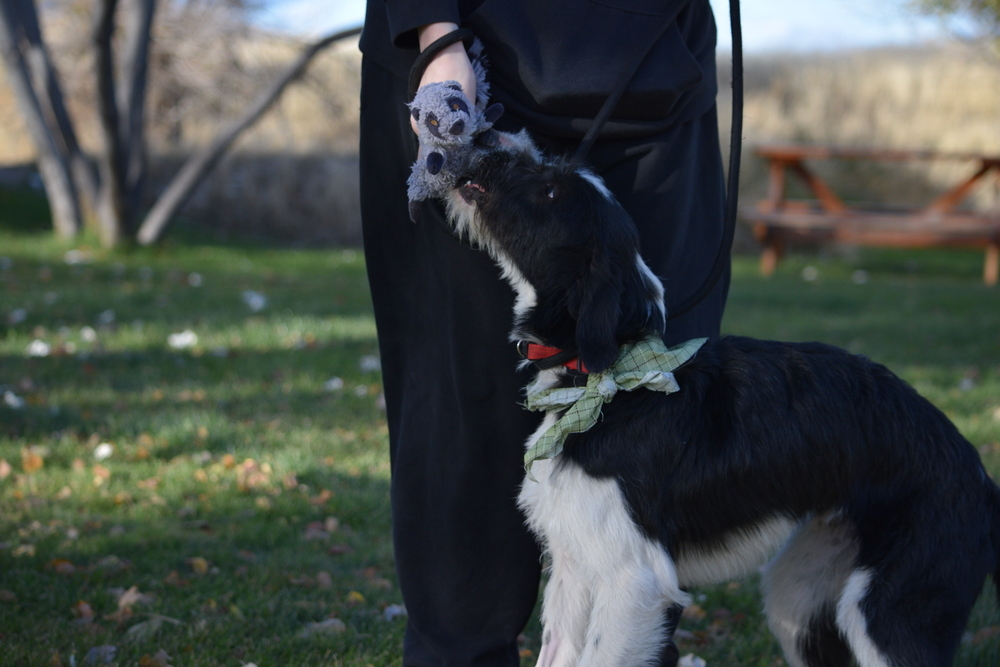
(691, 660)
(143, 630)
(31, 460)
(146, 629)
(694, 613)
(159, 659)
(324, 580)
(101, 474)
(525, 653)
(82, 609)
(328, 626)
(5, 469)
(133, 597)
(112, 563)
(174, 579)
(321, 498)
(339, 550)
(62, 566)
(120, 616)
(151, 483)
(23, 550)
(100, 655)
(7, 596)
(354, 597)
(198, 564)
(315, 531)
(394, 611)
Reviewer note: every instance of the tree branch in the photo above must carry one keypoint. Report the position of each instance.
(198, 165)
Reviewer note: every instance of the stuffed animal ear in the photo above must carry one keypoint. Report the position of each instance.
(487, 139)
(434, 163)
(415, 113)
(493, 113)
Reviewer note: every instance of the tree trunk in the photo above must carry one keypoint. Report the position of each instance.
(132, 103)
(193, 172)
(53, 164)
(45, 83)
(111, 208)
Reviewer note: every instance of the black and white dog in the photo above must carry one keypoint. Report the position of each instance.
(884, 521)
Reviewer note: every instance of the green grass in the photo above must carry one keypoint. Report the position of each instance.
(247, 494)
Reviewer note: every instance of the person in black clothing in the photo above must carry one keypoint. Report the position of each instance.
(468, 567)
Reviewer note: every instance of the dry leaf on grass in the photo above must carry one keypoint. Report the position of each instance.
(325, 627)
(174, 579)
(146, 629)
(132, 597)
(100, 655)
(694, 612)
(198, 564)
(159, 659)
(61, 566)
(691, 660)
(31, 459)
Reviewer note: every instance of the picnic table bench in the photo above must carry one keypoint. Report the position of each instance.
(827, 218)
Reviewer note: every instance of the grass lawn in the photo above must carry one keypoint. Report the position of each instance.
(194, 458)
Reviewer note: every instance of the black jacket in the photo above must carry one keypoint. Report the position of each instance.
(554, 62)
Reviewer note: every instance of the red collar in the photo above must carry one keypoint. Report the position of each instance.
(549, 357)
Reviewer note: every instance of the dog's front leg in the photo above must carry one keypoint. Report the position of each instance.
(565, 610)
(626, 625)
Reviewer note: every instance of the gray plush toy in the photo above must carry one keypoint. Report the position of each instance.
(449, 127)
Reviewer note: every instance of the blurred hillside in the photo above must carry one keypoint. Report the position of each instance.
(293, 177)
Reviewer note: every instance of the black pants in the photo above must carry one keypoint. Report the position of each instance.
(467, 566)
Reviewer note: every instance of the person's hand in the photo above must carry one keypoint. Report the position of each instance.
(451, 64)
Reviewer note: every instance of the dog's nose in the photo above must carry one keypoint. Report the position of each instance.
(458, 127)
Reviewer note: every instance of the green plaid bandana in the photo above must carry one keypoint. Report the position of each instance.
(647, 363)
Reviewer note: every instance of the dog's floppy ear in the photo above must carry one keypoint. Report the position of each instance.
(611, 306)
(597, 306)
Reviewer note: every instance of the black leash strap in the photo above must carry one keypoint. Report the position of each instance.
(735, 148)
(733, 184)
(626, 77)
(434, 48)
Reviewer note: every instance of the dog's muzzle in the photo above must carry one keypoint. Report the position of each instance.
(472, 193)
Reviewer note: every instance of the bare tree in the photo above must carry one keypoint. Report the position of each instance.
(64, 169)
(195, 169)
(121, 49)
(984, 15)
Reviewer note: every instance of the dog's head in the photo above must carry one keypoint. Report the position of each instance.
(567, 247)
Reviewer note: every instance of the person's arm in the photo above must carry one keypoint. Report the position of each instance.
(451, 64)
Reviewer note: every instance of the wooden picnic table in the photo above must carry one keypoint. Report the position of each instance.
(827, 218)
